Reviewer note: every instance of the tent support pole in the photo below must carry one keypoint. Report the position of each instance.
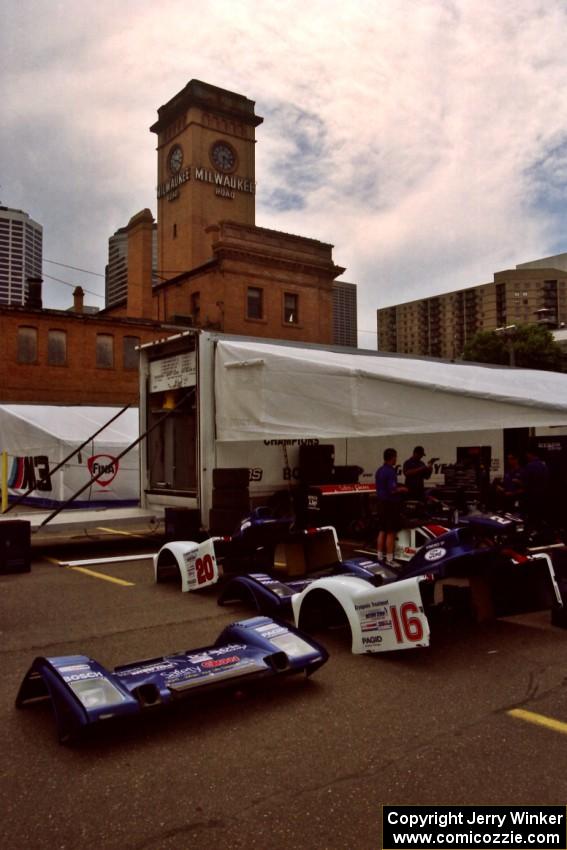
(119, 457)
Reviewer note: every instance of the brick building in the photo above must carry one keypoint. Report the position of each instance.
(70, 357)
(219, 269)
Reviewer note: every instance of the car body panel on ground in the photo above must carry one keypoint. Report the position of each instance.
(83, 693)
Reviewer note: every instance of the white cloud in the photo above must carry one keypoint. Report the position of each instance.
(425, 140)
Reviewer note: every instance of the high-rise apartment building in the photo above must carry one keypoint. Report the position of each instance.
(441, 326)
(21, 245)
(345, 328)
(116, 271)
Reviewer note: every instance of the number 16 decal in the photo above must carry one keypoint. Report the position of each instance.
(406, 626)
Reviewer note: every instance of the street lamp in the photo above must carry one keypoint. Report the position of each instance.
(508, 332)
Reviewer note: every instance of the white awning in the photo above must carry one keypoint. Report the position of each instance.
(278, 391)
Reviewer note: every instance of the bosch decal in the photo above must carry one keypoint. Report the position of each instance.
(80, 677)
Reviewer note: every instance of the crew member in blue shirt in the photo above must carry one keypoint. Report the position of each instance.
(535, 483)
(389, 494)
(417, 473)
(511, 488)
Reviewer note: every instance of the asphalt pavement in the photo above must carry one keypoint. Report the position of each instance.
(303, 763)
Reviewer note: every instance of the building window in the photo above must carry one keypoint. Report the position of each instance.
(57, 348)
(175, 231)
(196, 307)
(27, 345)
(129, 352)
(104, 351)
(291, 308)
(255, 308)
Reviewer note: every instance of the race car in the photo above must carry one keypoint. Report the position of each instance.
(85, 694)
(483, 565)
(260, 544)
(462, 568)
(271, 592)
(479, 566)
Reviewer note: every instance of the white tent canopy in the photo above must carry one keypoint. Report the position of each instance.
(38, 437)
(279, 391)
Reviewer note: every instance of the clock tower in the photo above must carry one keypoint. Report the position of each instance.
(206, 171)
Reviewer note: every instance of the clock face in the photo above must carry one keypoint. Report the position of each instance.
(175, 159)
(223, 157)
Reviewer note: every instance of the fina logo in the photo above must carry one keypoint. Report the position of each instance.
(104, 465)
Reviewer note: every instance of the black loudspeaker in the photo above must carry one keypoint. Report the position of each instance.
(230, 479)
(316, 464)
(15, 546)
(231, 499)
(225, 520)
(182, 524)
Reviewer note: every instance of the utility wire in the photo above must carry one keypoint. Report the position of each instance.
(65, 266)
(73, 285)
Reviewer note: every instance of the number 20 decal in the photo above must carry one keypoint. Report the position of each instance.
(405, 624)
(204, 569)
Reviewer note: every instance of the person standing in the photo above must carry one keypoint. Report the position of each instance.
(389, 496)
(535, 484)
(417, 473)
(510, 489)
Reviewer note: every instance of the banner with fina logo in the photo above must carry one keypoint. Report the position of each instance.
(28, 473)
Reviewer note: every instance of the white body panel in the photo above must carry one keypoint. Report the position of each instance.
(381, 619)
(195, 563)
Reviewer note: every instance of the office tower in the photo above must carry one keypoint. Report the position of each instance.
(21, 241)
(116, 272)
(344, 313)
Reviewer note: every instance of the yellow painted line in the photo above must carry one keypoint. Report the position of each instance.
(94, 574)
(53, 561)
(539, 720)
(116, 531)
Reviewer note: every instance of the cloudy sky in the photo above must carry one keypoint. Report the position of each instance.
(425, 139)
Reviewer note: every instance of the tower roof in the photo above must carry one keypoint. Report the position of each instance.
(203, 95)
